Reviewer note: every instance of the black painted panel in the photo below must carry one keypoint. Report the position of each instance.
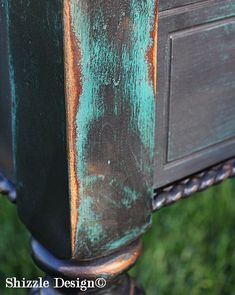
(202, 88)
(36, 47)
(169, 4)
(195, 96)
(6, 159)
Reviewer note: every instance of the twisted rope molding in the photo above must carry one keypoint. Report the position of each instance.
(166, 196)
(196, 183)
(7, 188)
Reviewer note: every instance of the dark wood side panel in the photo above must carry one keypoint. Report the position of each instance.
(169, 4)
(196, 89)
(202, 88)
(36, 49)
(6, 160)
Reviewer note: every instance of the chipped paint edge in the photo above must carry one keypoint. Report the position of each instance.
(72, 92)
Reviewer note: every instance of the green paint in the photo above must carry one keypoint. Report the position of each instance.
(128, 235)
(138, 88)
(115, 78)
(130, 196)
(12, 87)
(92, 226)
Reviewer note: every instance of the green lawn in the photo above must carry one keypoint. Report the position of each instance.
(190, 249)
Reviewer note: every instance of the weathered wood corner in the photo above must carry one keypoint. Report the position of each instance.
(82, 84)
(110, 110)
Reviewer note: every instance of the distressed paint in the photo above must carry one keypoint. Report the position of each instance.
(110, 57)
(36, 81)
(6, 94)
(73, 91)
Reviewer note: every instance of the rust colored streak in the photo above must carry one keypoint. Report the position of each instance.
(122, 263)
(73, 90)
(152, 51)
(108, 266)
(115, 266)
(132, 288)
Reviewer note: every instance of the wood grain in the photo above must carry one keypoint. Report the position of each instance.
(110, 65)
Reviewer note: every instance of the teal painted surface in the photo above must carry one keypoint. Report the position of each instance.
(114, 122)
(138, 88)
(14, 104)
(7, 90)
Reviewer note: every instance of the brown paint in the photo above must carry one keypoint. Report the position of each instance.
(132, 288)
(152, 51)
(117, 265)
(108, 266)
(73, 90)
(120, 265)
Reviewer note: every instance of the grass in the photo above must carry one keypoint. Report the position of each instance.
(15, 260)
(190, 248)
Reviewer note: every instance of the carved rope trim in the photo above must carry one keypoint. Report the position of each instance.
(7, 188)
(168, 195)
(196, 183)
